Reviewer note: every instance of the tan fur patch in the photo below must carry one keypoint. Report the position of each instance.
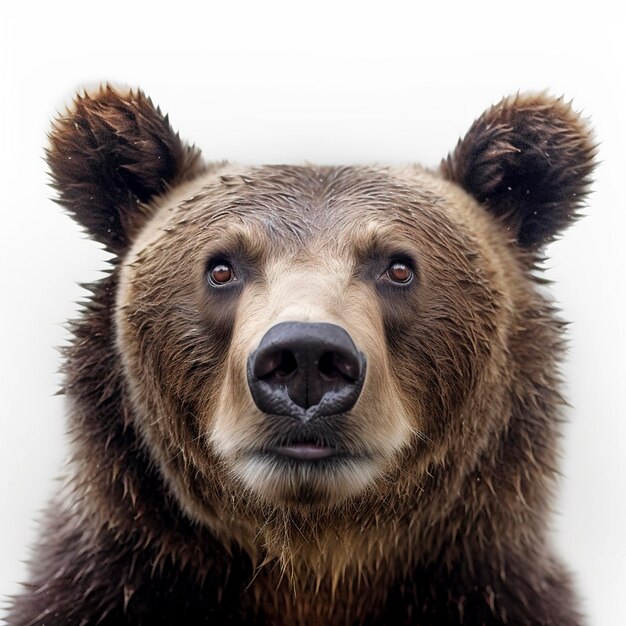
(318, 287)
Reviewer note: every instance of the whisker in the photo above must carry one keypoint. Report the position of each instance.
(182, 450)
(422, 436)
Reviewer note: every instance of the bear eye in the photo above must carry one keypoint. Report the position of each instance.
(399, 272)
(221, 274)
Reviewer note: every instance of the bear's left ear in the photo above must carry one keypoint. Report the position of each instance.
(109, 154)
(528, 160)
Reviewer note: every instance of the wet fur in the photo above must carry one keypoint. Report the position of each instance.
(154, 527)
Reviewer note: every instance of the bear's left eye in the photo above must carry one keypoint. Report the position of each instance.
(221, 274)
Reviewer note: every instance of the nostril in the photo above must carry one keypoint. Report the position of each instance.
(275, 365)
(326, 367)
(286, 365)
(333, 366)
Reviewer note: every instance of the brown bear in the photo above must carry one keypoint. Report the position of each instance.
(311, 395)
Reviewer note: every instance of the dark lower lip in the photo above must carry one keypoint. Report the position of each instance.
(305, 452)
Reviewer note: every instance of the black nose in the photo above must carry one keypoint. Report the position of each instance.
(306, 370)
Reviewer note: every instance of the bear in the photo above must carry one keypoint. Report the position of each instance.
(311, 394)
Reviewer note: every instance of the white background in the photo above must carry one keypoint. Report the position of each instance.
(331, 83)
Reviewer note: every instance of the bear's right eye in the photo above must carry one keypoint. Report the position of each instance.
(221, 274)
(400, 273)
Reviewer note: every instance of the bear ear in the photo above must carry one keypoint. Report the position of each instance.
(528, 160)
(109, 155)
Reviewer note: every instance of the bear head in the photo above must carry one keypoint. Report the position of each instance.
(319, 351)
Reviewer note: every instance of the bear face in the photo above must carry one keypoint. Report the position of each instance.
(314, 246)
(348, 370)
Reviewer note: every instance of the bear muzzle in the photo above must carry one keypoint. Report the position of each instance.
(306, 371)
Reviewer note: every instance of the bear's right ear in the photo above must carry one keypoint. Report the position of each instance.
(109, 155)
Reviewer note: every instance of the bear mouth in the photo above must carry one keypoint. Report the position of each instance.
(315, 444)
(306, 473)
(306, 465)
(312, 454)
(305, 451)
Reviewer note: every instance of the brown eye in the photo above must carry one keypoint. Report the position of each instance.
(400, 273)
(221, 274)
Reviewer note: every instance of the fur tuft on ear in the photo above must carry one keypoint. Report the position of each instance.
(109, 154)
(529, 160)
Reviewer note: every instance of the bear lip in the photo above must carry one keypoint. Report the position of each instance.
(305, 451)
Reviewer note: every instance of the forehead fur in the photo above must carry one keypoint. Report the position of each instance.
(303, 207)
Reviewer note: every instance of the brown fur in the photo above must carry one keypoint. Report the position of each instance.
(439, 515)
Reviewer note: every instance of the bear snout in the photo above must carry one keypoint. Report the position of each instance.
(306, 370)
